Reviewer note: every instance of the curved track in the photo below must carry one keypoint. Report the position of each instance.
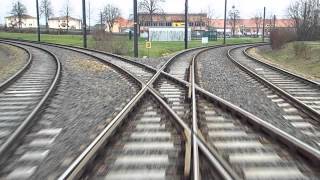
(243, 142)
(23, 95)
(206, 126)
(302, 92)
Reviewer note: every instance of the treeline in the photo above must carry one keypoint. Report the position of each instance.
(306, 17)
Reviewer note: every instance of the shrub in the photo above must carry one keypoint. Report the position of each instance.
(279, 37)
(302, 50)
(110, 43)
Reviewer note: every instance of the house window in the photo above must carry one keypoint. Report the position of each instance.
(30, 24)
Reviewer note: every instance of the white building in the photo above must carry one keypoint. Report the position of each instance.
(61, 23)
(168, 34)
(27, 21)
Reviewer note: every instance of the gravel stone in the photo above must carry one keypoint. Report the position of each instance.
(89, 95)
(222, 77)
(12, 59)
(153, 62)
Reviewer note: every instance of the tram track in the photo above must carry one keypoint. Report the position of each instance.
(295, 171)
(284, 89)
(212, 113)
(23, 95)
(302, 92)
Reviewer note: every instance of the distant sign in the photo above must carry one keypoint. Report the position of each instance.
(148, 44)
(205, 40)
(177, 24)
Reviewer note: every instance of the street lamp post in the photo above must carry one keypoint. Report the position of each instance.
(135, 31)
(263, 24)
(186, 25)
(38, 20)
(84, 24)
(224, 23)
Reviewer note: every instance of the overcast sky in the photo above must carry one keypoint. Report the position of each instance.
(247, 7)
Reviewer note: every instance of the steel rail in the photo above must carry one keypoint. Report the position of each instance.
(309, 152)
(296, 103)
(220, 165)
(179, 53)
(296, 144)
(76, 168)
(15, 76)
(207, 151)
(155, 93)
(279, 69)
(21, 130)
(196, 171)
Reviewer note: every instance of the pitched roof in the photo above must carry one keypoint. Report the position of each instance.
(24, 16)
(251, 23)
(124, 22)
(64, 18)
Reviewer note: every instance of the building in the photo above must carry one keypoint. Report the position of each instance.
(27, 21)
(120, 25)
(249, 26)
(198, 24)
(196, 21)
(61, 22)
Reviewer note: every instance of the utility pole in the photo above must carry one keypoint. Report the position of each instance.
(274, 21)
(101, 28)
(135, 31)
(186, 24)
(38, 20)
(234, 21)
(84, 24)
(263, 24)
(224, 23)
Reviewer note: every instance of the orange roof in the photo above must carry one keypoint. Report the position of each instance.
(124, 22)
(250, 23)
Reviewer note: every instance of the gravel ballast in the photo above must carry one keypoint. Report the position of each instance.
(220, 76)
(153, 62)
(89, 95)
(12, 59)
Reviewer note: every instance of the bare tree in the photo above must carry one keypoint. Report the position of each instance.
(257, 21)
(110, 15)
(151, 7)
(210, 17)
(66, 12)
(305, 14)
(46, 10)
(18, 10)
(234, 18)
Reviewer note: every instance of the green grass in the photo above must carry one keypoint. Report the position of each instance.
(161, 48)
(158, 48)
(305, 64)
(75, 40)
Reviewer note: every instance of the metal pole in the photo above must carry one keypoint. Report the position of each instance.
(263, 25)
(186, 25)
(274, 21)
(38, 20)
(135, 31)
(84, 24)
(101, 21)
(224, 23)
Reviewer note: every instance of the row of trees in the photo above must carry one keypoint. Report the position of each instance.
(306, 17)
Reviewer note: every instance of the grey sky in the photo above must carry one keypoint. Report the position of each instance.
(247, 7)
